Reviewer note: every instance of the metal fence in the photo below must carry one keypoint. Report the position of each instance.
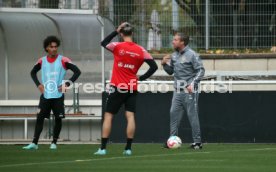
(211, 24)
(51, 4)
(223, 24)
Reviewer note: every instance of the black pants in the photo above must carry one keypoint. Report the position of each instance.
(46, 106)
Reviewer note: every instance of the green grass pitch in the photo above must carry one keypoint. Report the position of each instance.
(145, 158)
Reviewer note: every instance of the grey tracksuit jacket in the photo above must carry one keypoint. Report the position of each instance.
(186, 66)
(188, 69)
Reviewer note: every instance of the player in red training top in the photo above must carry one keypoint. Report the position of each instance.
(128, 58)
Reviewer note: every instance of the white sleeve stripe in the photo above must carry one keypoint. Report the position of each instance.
(198, 74)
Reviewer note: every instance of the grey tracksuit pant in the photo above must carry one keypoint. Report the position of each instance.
(185, 103)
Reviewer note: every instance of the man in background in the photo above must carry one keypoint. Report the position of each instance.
(188, 70)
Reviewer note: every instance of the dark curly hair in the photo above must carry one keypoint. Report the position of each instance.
(47, 41)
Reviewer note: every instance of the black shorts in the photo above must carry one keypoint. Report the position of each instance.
(116, 99)
(56, 105)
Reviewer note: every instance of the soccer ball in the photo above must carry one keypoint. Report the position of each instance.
(174, 142)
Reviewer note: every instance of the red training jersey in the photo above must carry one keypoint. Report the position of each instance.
(51, 60)
(128, 58)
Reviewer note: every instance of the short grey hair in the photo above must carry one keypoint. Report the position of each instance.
(183, 37)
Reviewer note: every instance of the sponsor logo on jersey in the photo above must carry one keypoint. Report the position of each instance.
(129, 66)
(132, 54)
(122, 52)
(120, 64)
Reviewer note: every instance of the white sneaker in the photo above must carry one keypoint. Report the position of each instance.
(53, 146)
(31, 146)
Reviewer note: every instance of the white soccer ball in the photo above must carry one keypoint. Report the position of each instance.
(174, 142)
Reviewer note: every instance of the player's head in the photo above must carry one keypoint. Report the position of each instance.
(180, 40)
(126, 30)
(51, 44)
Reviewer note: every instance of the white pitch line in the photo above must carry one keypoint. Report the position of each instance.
(99, 159)
(186, 160)
(125, 157)
(203, 160)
